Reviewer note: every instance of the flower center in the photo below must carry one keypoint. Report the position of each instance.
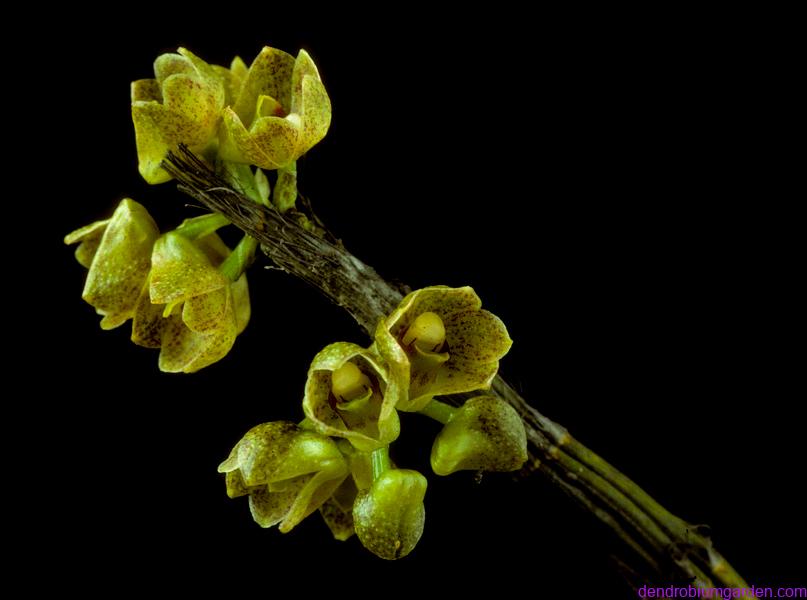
(427, 332)
(349, 383)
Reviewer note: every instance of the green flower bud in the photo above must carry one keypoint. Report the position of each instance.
(484, 434)
(190, 310)
(281, 110)
(117, 253)
(349, 394)
(389, 516)
(287, 472)
(182, 105)
(440, 341)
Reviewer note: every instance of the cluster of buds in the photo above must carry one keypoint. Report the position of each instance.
(438, 342)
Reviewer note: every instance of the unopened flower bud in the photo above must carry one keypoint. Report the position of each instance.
(484, 434)
(389, 516)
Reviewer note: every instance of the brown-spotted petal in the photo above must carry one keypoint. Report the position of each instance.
(147, 321)
(338, 519)
(268, 75)
(269, 144)
(207, 73)
(181, 105)
(316, 491)
(477, 340)
(88, 239)
(270, 508)
(478, 336)
(208, 312)
(146, 90)
(260, 451)
(309, 100)
(337, 511)
(309, 452)
(121, 263)
(374, 425)
(181, 270)
(150, 120)
(235, 485)
(439, 299)
(186, 351)
(172, 63)
(316, 114)
(397, 361)
(194, 108)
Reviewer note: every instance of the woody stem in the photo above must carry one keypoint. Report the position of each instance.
(667, 546)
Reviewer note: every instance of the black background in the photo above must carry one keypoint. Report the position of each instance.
(597, 178)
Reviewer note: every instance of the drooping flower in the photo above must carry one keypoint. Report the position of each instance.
(117, 252)
(484, 434)
(440, 341)
(181, 105)
(280, 111)
(389, 516)
(349, 394)
(169, 286)
(287, 472)
(190, 309)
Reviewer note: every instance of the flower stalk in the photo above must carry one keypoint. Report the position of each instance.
(240, 258)
(380, 461)
(439, 411)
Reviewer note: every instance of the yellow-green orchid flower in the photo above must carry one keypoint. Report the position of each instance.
(349, 394)
(189, 309)
(280, 111)
(440, 341)
(287, 472)
(181, 105)
(117, 252)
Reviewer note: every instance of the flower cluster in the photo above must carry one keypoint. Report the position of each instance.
(439, 341)
(184, 290)
(175, 289)
(267, 115)
(186, 294)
